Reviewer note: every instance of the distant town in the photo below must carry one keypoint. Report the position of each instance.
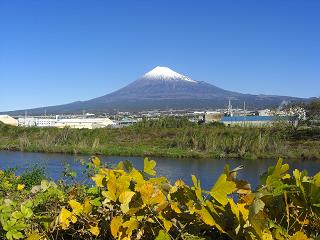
(227, 116)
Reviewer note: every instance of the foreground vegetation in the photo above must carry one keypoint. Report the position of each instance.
(169, 138)
(125, 203)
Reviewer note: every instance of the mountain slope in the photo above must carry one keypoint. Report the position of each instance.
(163, 83)
(163, 88)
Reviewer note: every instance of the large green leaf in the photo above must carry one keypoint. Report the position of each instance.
(163, 236)
(27, 212)
(257, 206)
(317, 179)
(14, 234)
(275, 174)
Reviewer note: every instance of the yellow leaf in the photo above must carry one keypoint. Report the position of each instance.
(146, 192)
(167, 224)
(123, 184)
(98, 179)
(174, 207)
(20, 187)
(34, 236)
(65, 217)
(299, 236)
(206, 217)
(266, 235)
(222, 188)
(150, 220)
(138, 178)
(178, 184)
(112, 188)
(73, 219)
(87, 207)
(234, 208)
(94, 230)
(197, 188)
(126, 196)
(95, 160)
(104, 171)
(115, 225)
(109, 195)
(191, 207)
(161, 206)
(286, 176)
(248, 199)
(77, 207)
(116, 185)
(149, 166)
(131, 225)
(159, 181)
(125, 199)
(157, 197)
(244, 211)
(212, 207)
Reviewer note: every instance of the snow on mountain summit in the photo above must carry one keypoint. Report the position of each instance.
(166, 74)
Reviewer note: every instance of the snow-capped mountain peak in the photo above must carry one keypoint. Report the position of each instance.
(165, 73)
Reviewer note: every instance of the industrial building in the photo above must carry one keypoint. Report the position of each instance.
(89, 123)
(36, 122)
(248, 120)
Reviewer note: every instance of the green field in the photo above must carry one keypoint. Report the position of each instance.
(168, 138)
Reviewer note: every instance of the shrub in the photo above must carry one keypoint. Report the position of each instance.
(32, 176)
(125, 203)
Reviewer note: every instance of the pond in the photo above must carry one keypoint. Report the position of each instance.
(206, 170)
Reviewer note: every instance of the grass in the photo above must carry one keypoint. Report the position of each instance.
(168, 139)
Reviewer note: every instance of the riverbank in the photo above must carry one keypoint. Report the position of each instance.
(175, 142)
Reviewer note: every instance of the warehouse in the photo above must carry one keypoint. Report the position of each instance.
(248, 120)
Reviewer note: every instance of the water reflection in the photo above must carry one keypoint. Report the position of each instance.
(206, 170)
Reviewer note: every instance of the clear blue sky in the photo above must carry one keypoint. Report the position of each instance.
(59, 51)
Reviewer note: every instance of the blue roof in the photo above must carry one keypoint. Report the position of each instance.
(247, 118)
(128, 120)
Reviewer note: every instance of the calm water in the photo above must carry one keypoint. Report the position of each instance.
(207, 170)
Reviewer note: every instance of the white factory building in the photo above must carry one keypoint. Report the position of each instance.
(36, 122)
(89, 123)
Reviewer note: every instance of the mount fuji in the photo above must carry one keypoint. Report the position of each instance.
(163, 88)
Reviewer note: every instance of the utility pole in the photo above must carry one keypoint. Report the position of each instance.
(230, 108)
